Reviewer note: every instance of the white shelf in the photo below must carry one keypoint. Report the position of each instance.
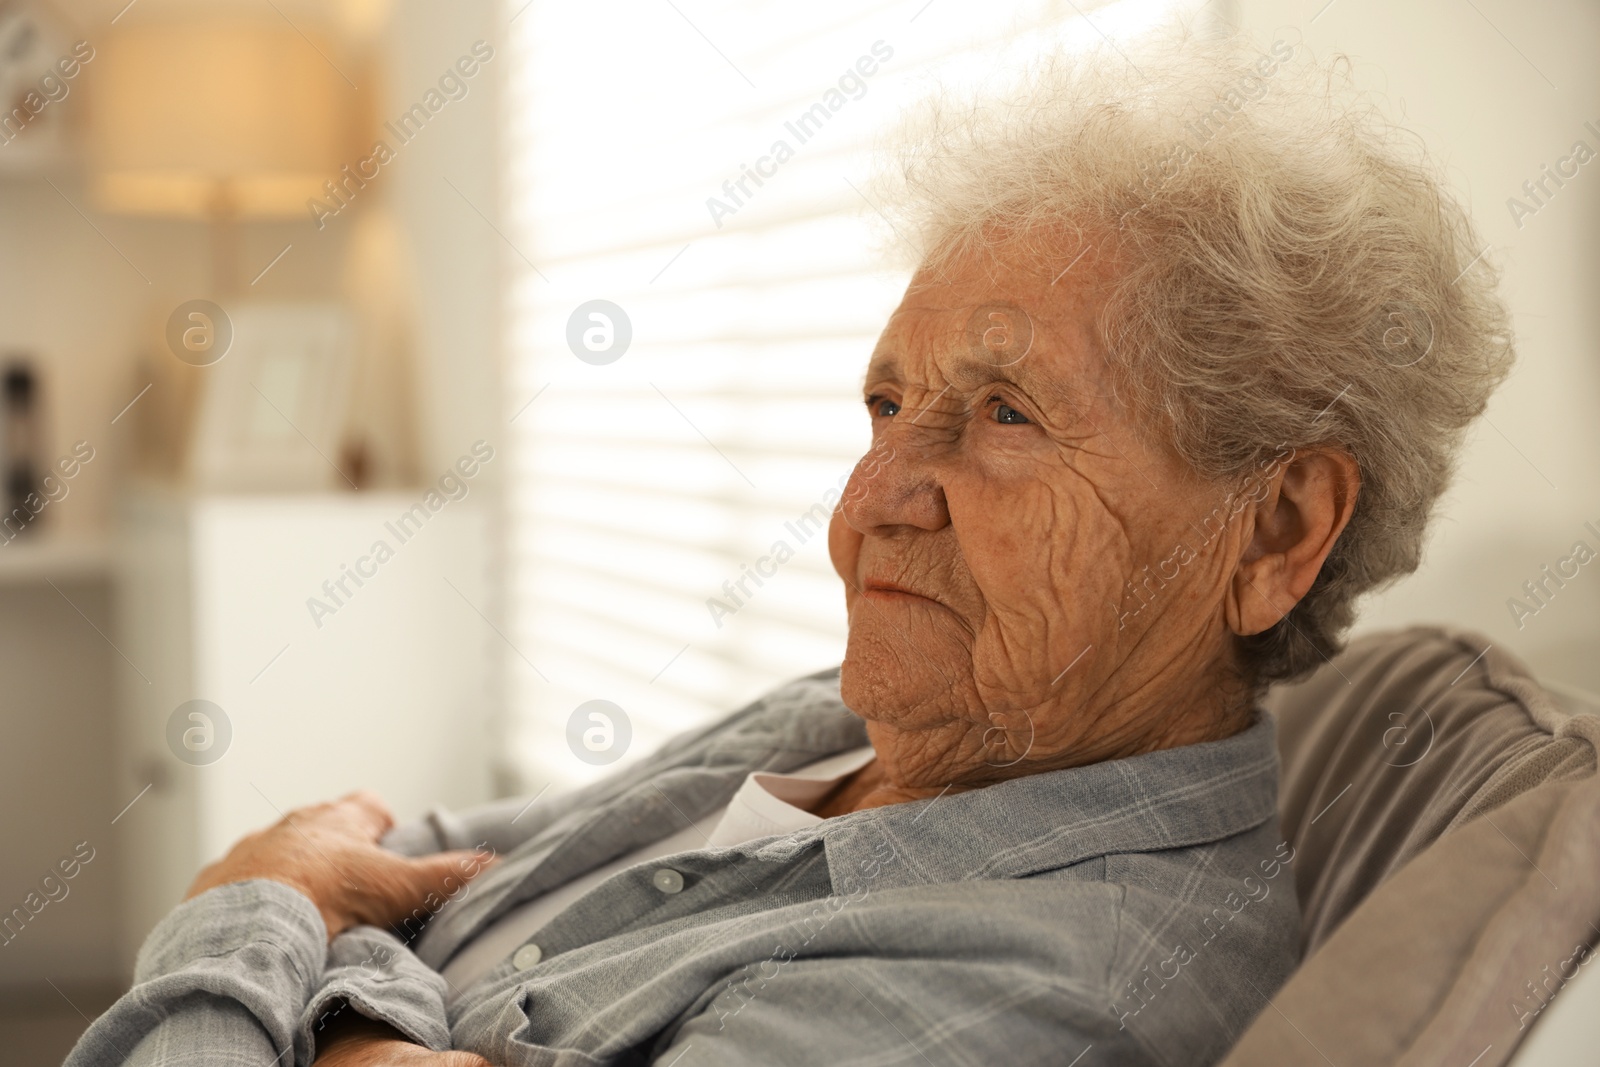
(37, 558)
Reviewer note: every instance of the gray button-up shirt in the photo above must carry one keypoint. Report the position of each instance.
(1136, 911)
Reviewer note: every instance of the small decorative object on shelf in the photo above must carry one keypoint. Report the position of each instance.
(40, 64)
(355, 461)
(22, 437)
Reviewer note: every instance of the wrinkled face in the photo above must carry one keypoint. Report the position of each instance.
(989, 537)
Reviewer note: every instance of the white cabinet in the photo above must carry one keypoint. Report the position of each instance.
(388, 685)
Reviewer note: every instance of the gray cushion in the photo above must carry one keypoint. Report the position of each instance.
(1445, 816)
(1402, 738)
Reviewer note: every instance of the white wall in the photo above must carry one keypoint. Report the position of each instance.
(457, 252)
(1529, 478)
(458, 255)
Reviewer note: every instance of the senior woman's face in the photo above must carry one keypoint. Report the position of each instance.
(987, 538)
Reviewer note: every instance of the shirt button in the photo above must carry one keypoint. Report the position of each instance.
(667, 880)
(527, 956)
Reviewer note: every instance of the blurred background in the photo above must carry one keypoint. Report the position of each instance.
(415, 395)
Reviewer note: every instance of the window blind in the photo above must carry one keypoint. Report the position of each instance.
(703, 168)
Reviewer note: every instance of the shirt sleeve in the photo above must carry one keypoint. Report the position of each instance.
(371, 972)
(223, 978)
(219, 1033)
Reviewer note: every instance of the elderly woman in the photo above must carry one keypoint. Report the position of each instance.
(1178, 375)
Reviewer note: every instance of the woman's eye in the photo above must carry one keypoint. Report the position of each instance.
(1010, 416)
(879, 405)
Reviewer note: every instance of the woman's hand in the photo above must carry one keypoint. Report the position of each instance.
(360, 1042)
(330, 853)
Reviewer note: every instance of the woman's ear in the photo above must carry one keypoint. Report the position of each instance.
(1310, 501)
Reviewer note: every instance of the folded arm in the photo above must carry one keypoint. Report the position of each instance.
(202, 1006)
(231, 975)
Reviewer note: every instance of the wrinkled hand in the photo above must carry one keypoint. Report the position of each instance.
(330, 853)
(363, 1043)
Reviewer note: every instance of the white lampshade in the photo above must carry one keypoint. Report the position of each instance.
(212, 117)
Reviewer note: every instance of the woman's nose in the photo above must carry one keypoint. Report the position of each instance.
(892, 485)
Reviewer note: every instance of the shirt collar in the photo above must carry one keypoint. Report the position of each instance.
(1172, 798)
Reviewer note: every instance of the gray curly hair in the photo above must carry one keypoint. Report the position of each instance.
(1292, 274)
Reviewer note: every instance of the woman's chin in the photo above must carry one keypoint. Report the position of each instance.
(900, 691)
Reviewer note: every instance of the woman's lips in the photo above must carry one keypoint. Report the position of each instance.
(880, 588)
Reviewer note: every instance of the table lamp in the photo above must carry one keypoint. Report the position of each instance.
(218, 119)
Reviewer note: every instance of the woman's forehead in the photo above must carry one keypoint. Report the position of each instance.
(1014, 329)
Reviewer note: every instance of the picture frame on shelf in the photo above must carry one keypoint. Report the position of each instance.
(272, 409)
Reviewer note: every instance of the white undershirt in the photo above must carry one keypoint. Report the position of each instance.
(765, 805)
